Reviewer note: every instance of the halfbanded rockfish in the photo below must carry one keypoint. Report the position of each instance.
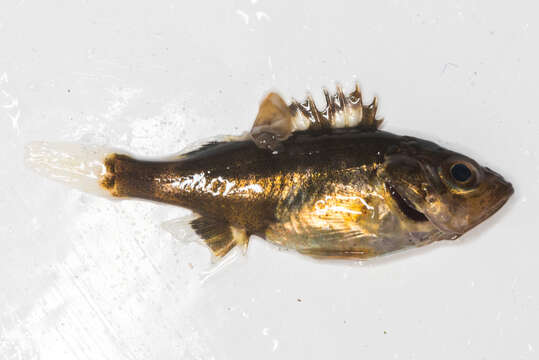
(328, 183)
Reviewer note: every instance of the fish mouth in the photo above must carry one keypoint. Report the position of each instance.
(505, 194)
(406, 206)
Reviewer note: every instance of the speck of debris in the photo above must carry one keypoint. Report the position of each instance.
(299, 300)
(385, 332)
(68, 90)
(191, 266)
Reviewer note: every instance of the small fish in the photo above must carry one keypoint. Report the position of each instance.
(326, 183)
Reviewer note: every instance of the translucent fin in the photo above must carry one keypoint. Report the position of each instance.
(181, 229)
(218, 264)
(339, 222)
(273, 122)
(80, 166)
(205, 144)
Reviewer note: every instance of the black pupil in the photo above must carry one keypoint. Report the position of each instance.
(460, 172)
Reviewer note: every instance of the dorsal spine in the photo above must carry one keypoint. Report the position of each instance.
(340, 111)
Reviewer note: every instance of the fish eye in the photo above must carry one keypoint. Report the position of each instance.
(461, 172)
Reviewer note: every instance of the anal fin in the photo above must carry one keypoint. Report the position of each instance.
(220, 236)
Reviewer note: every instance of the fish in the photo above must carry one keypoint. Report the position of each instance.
(329, 184)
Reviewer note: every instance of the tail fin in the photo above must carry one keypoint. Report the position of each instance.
(81, 166)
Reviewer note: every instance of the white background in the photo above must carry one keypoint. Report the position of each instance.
(87, 278)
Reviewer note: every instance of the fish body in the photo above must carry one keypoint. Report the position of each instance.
(327, 183)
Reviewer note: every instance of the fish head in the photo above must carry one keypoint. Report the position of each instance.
(448, 189)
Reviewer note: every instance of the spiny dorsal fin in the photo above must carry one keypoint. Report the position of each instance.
(341, 111)
(220, 236)
(276, 121)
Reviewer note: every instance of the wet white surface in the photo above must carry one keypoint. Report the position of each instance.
(83, 277)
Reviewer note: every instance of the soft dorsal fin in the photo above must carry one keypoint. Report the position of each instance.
(276, 121)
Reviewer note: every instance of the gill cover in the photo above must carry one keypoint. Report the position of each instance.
(450, 190)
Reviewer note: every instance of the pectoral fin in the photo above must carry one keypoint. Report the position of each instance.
(322, 241)
(335, 223)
